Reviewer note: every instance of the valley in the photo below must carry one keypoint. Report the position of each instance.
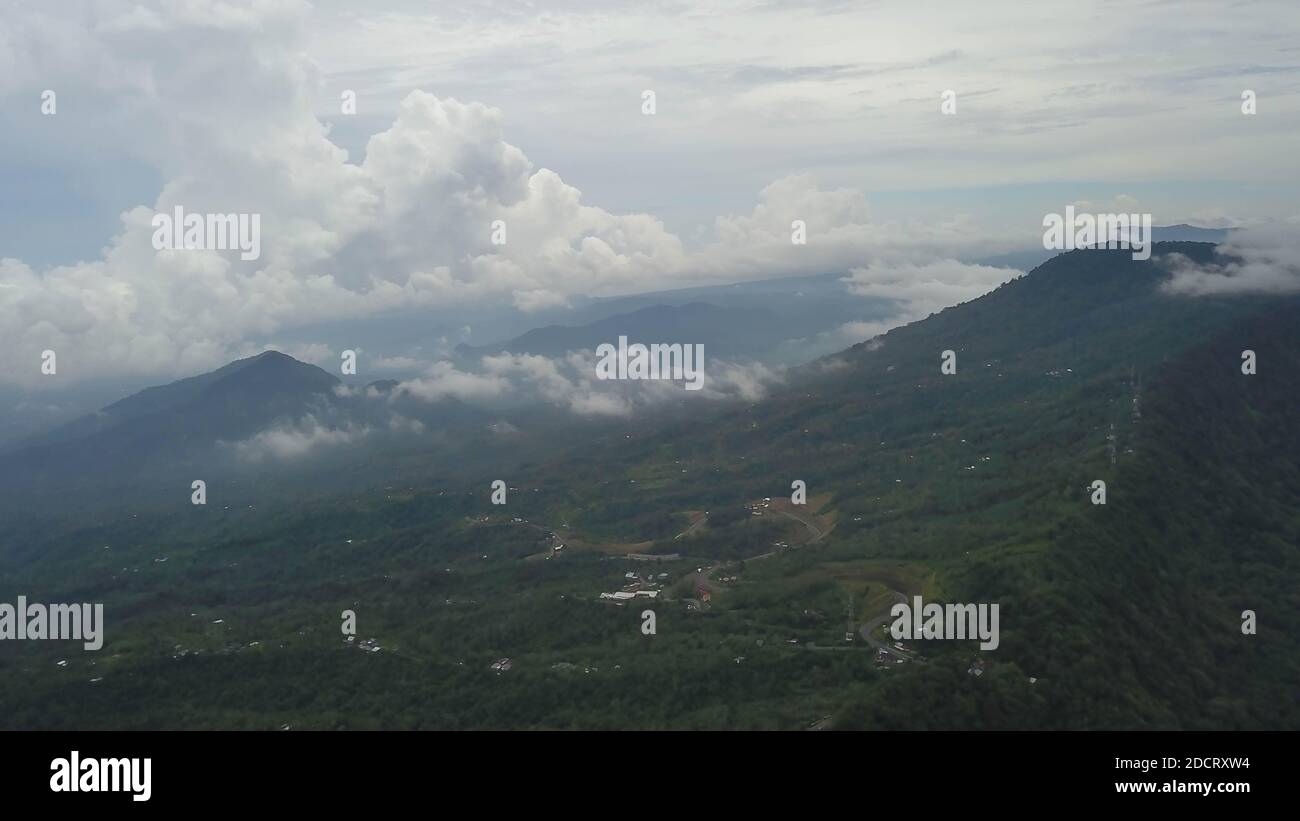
(967, 487)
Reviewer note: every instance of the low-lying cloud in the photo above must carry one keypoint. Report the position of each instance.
(293, 441)
(570, 383)
(1263, 259)
(920, 289)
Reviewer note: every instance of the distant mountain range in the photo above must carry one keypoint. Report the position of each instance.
(184, 419)
(781, 321)
(738, 333)
(976, 486)
(1030, 258)
(786, 320)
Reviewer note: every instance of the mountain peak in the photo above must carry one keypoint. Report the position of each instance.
(273, 371)
(274, 354)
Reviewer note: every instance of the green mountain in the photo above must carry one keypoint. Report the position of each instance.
(978, 485)
(170, 424)
(970, 487)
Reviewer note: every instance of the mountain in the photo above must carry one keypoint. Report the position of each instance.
(971, 487)
(1183, 232)
(1031, 258)
(976, 487)
(724, 332)
(172, 423)
(789, 320)
(267, 425)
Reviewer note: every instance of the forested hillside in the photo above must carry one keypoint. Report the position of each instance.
(966, 487)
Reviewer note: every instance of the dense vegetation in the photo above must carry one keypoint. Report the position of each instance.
(971, 487)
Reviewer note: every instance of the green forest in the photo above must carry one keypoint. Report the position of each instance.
(969, 487)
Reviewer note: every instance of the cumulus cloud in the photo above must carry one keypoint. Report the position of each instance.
(1263, 259)
(409, 226)
(224, 97)
(840, 233)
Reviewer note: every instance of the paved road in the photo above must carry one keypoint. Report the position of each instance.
(817, 533)
(878, 617)
(688, 531)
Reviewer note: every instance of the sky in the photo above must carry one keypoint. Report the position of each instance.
(534, 114)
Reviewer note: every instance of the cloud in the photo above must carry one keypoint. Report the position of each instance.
(401, 424)
(226, 97)
(1264, 259)
(750, 382)
(224, 104)
(294, 441)
(922, 289)
(445, 381)
(840, 233)
(570, 384)
(395, 363)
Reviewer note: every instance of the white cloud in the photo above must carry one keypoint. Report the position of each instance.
(409, 226)
(223, 102)
(1263, 259)
(395, 363)
(289, 442)
(570, 383)
(922, 289)
(444, 381)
